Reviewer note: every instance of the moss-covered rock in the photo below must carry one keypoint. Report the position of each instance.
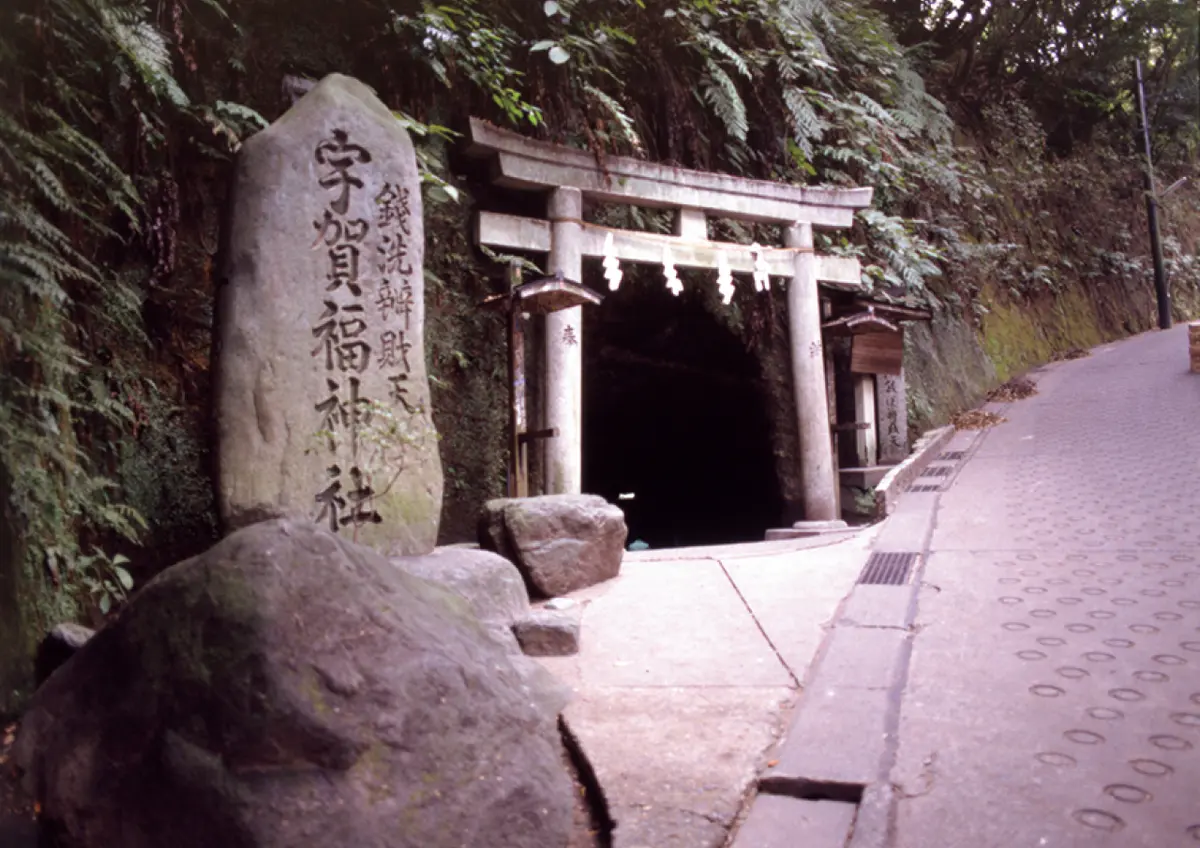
(291, 688)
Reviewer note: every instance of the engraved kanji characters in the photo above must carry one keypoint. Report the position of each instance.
(394, 253)
(342, 332)
(399, 392)
(338, 414)
(360, 501)
(333, 506)
(340, 338)
(329, 500)
(394, 350)
(340, 155)
(331, 230)
(393, 208)
(343, 269)
(396, 300)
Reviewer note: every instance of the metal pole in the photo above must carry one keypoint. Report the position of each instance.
(1160, 273)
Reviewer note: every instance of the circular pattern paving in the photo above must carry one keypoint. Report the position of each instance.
(1151, 768)
(1084, 737)
(1127, 793)
(1168, 742)
(1099, 820)
(1100, 574)
(1045, 690)
(1126, 694)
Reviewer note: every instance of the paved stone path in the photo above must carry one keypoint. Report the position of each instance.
(1053, 693)
(688, 667)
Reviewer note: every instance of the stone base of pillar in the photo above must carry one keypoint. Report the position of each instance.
(806, 529)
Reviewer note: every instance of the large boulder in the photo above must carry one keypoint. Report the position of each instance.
(559, 542)
(490, 584)
(290, 688)
(60, 644)
(321, 390)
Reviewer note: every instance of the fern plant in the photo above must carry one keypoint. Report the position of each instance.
(64, 200)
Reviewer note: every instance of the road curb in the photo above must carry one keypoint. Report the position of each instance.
(897, 481)
(842, 741)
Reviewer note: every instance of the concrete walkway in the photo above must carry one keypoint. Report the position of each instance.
(1053, 694)
(690, 663)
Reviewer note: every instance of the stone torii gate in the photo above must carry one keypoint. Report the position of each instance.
(570, 175)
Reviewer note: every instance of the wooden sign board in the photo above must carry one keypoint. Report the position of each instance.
(877, 353)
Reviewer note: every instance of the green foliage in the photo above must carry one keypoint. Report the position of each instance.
(102, 99)
(82, 79)
(1072, 62)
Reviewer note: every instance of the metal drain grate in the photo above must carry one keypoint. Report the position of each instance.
(888, 569)
(952, 456)
(925, 488)
(937, 471)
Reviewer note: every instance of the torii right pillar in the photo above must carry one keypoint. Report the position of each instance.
(818, 485)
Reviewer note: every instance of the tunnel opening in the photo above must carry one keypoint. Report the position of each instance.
(675, 425)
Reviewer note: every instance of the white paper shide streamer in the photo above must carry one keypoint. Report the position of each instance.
(724, 278)
(762, 276)
(669, 271)
(612, 267)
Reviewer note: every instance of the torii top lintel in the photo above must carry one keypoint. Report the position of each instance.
(529, 164)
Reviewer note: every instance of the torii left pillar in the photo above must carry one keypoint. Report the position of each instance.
(562, 354)
(818, 486)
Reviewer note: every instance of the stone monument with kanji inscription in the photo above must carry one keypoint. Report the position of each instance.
(322, 395)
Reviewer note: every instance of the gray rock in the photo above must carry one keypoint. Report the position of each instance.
(60, 644)
(490, 584)
(549, 633)
(322, 397)
(559, 542)
(291, 688)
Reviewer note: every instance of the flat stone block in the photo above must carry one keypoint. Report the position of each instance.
(807, 529)
(879, 606)
(549, 633)
(872, 819)
(678, 623)
(776, 821)
(675, 763)
(820, 526)
(861, 657)
(907, 528)
(837, 736)
(864, 478)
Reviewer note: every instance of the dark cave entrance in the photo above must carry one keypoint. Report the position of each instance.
(674, 413)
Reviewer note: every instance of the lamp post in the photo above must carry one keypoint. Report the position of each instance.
(1160, 272)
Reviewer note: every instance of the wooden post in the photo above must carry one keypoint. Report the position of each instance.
(518, 481)
(866, 441)
(831, 400)
(818, 486)
(563, 353)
